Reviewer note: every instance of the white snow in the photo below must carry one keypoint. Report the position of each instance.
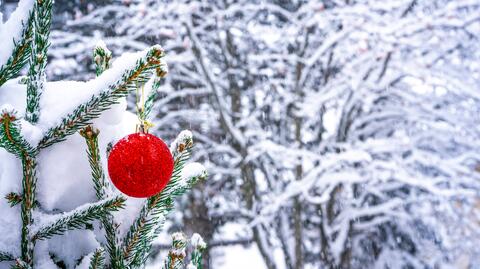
(85, 263)
(10, 222)
(60, 98)
(197, 241)
(193, 170)
(12, 29)
(72, 246)
(182, 138)
(179, 236)
(101, 44)
(238, 257)
(33, 134)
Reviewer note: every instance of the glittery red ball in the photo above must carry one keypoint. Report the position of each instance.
(140, 165)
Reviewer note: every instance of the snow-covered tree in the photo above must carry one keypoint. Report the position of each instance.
(59, 208)
(347, 129)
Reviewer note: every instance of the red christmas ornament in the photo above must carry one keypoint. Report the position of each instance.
(140, 165)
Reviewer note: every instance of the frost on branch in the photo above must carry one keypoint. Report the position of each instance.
(177, 252)
(58, 206)
(183, 141)
(197, 242)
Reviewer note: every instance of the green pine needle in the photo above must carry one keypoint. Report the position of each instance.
(13, 199)
(98, 177)
(176, 255)
(20, 54)
(10, 137)
(98, 259)
(77, 219)
(4, 256)
(101, 58)
(145, 112)
(100, 184)
(42, 20)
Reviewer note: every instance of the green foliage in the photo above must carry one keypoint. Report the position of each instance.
(100, 184)
(98, 177)
(144, 112)
(176, 255)
(10, 137)
(4, 256)
(78, 218)
(42, 19)
(13, 199)
(20, 54)
(196, 258)
(132, 251)
(29, 183)
(101, 58)
(152, 216)
(98, 259)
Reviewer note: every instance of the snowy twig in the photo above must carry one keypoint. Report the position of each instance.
(100, 184)
(78, 218)
(98, 259)
(101, 57)
(98, 177)
(21, 50)
(4, 256)
(177, 252)
(199, 246)
(42, 19)
(224, 117)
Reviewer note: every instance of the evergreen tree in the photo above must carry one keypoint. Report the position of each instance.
(59, 214)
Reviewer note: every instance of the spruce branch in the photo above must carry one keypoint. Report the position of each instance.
(10, 137)
(113, 244)
(98, 259)
(101, 57)
(145, 111)
(147, 226)
(4, 256)
(42, 19)
(98, 177)
(29, 185)
(100, 184)
(199, 246)
(20, 53)
(176, 254)
(13, 199)
(12, 141)
(80, 217)
(84, 113)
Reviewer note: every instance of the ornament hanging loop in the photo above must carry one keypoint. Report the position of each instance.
(141, 128)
